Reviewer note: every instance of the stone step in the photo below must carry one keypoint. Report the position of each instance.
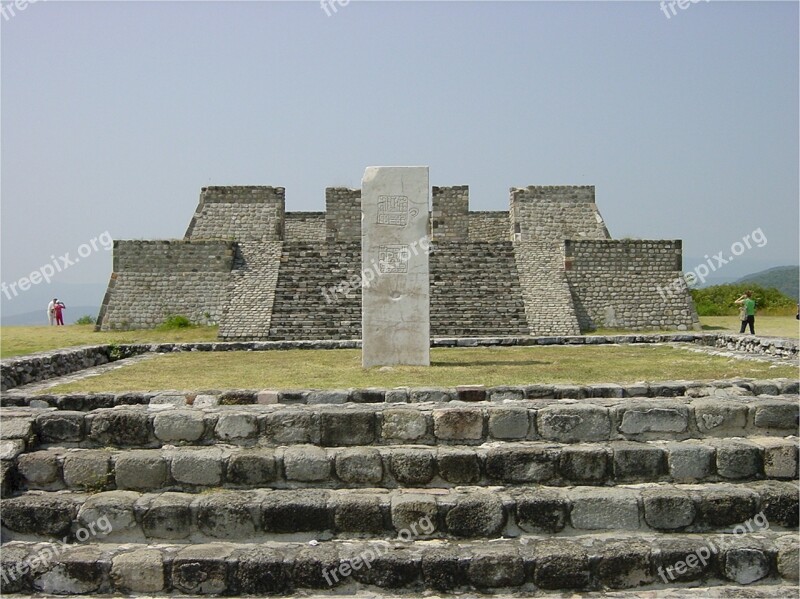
(563, 421)
(766, 562)
(466, 512)
(516, 463)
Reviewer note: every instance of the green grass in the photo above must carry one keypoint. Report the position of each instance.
(771, 326)
(337, 369)
(17, 341)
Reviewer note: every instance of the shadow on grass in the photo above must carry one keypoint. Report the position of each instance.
(708, 327)
(494, 363)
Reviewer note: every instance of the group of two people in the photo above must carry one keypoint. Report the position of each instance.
(55, 311)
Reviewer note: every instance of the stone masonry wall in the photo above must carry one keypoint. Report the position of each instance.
(615, 284)
(555, 213)
(450, 213)
(548, 303)
(305, 226)
(489, 226)
(155, 279)
(242, 213)
(342, 214)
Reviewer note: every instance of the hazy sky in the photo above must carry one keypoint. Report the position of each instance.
(115, 114)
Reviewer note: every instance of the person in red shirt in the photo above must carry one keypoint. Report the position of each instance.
(59, 308)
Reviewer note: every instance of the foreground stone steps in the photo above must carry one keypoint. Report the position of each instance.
(562, 421)
(764, 560)
(465, 512)
(195, 468)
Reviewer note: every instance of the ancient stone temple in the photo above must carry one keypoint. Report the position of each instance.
(547, 266)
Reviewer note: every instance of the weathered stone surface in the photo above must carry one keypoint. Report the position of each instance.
(638, 461)
(414, 510)
(60, 427)
(38, 467)
(560, 565)
(509, 423)
(115, 508)
(738, 459)
(539, 512)
(583, 465)
(165, 516)
(225, 515)
(394, 570)
(413, 466)
(574, 423)
(625, 565)
(347, 427)
(311, 564)
(458, 424)
(526, 464)
(674, 419)
(327, 396)
(263, 571)
(495, 568)
(780, 415)
(179, 425)
(779, 504)
(668, 509)
(123, 427)
(458, 466)
(478, 515)
(745, 565)
(690, 461)
(80, 570)
(788, 558)
(290, 426)
(87, 469)
(306, 463)
(298, 511)
(138, 571)
(50, 515)
(357, 513)
(11, 448)
(142, 470)
(425, 395)
(14, 579)
(715, 417)
(201, 569)
(725, 506)
(780, 457)
(679, 560)
(405, 425)
(615, 509)
(252, 467)
(234, 427)
(443, 569)
(198, 466)
(396, 303)
(360, 465)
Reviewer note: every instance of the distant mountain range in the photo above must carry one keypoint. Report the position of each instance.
(39, 317)
(786, 279)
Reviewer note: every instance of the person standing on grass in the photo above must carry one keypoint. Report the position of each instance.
(748, 315)
(59, 311)
(51, 311)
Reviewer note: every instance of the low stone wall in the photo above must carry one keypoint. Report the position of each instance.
(305, 226)
(489, 226)
(46, 365)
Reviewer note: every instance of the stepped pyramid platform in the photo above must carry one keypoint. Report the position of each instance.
(547, 266)
(685, 490)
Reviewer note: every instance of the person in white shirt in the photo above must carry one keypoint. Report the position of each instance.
(51, 310)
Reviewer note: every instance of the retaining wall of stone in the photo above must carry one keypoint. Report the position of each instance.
(245, 213)
(489, 226)
(450, 213)
(556, 213)
(305, 226)
(342, 214)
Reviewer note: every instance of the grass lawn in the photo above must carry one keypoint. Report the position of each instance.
(338, 369)
(17, 341)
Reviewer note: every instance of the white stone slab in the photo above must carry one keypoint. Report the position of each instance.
(395, 304)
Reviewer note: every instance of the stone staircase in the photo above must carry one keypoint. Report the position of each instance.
(475, 290)
(529, 493)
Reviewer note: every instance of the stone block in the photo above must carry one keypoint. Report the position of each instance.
(60, 427)
(776, 414)
(414, 510)
(638, 461)
(541, 511)
(458, 424)
(165, 516)
(412, 466)
(116, 508)
(668, 509)
(312, 563)
(347, 427)
(267, 397)
(306, 463)
(492, 567)
(690, 461)
(179, 425)
(50, 515)
(368, 396)
(560, 564)
(597, 509)
(458, 466)
(717, 418)
(225, 515)
(11, 448)
(397, 396)
(405, 425)
(499, 394)
(509, 423)
(738, 459)
(722, 506)
(651, 419)
(87, 469)
(788, 557)
(38, 468)
(675, 561)
(522, 465)
(121, 427)
(779, 504)
(79, 571)
(263, 571)
(745, 565)
(625, 565)
(583, 464)
(355, 512)
(328, 396)
(198, 466)
(301, 510)
(201, 569)
(285, 427)
(252, 468)
(426, 395)
(780, 457)
(138, 571)
(471, 393)
(476, 515)
(141, 470)
(395, 570)
(236, 427)
(443, 569)
(359, 465)
(573, 423)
